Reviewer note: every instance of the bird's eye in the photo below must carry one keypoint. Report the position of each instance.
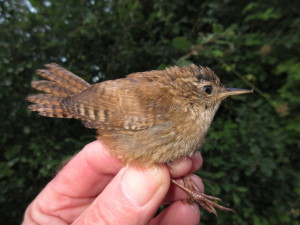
(207, 89)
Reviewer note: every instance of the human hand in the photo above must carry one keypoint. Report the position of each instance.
(94, 188)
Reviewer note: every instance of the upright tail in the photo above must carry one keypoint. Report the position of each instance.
(61, 83)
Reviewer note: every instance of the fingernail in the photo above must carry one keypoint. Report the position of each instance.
(140, 185)
(197, 154)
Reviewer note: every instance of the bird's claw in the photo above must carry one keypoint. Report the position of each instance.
(194, 195)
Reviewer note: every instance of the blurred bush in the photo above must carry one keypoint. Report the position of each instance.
(252, 150)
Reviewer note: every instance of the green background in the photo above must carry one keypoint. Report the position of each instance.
(251, 155)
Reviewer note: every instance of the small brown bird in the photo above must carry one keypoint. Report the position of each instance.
(145, 119)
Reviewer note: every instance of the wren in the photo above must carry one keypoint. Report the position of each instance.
(145, 119)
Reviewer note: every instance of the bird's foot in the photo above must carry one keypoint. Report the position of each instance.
(194, 195)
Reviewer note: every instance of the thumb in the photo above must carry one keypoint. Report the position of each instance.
(132, 197)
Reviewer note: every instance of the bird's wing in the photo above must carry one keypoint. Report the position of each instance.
(117, 105)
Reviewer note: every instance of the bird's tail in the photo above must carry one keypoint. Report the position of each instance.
(61, 83)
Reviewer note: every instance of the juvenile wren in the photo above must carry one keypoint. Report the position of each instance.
(145, 119)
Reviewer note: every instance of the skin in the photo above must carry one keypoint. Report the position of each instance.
(94, 188)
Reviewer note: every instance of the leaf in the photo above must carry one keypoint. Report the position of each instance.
(218, 28)
(266, 15)
(181, 43)
(217, 53)
(183, 62)
(255, 150)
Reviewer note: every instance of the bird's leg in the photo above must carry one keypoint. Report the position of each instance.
(194, 195)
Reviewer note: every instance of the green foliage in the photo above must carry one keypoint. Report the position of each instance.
(251, 155)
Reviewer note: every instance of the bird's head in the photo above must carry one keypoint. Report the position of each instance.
(201, 86)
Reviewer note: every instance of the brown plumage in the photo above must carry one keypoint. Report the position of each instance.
(146, 118)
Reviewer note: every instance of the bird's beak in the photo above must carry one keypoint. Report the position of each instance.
(234, 91)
